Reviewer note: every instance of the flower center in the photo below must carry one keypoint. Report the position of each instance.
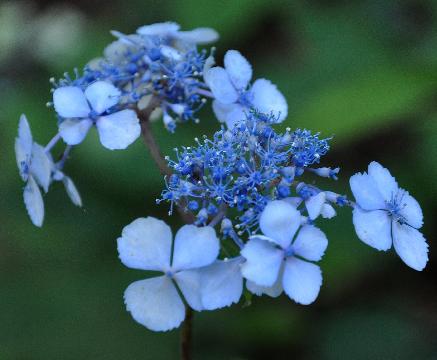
(395, 206)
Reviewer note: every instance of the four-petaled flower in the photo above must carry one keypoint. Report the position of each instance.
(386, 214)
(275, 262)
(233, 98)
(146, 244)
(81, 109)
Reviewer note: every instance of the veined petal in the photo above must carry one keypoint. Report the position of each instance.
(373, 228)
(117, 131)
(70, 102)
(314, 205)
(72, 191)
(221, 110)
(386, 183)
(366, 192)
(155, 303)
(41, 166)
(200, 36)
(410, 245)
(221, 283)
(310, 243)
(238, 69)
(146, 244)
(268, 99)
(263, 261)
(189, 283)
(74, 131)
(159, 29)
(102, 95)
(220, 85)
(194, 247)
(34, 202)
(411, 210)
(302, 280)
(280, 221)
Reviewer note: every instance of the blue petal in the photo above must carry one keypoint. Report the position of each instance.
(41, 166)
(386, 183)
(235, 116)
(411, 210)
(74, 131)
(200, 36)
(366, 192)
(189, 283)
(220, 85)
(314, 205)
(410, 245)
(310, 243)
(273, 291)
(34, 202)
(159, 29)
(23, 147)
(70, 102)
(238, 69)
(72, 191)
(268, 99)
(221, 110)
(102, 95)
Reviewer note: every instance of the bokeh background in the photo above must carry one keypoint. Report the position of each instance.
(365, 72)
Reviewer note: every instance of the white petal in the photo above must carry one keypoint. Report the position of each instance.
(310, 243)
(159, 29)
(23, 146)
(314, 205)
(373, 228)
(221, 110)
(328, 212)
(235, 116)
(189, 283)
(267, 98)
(117, 131)
(195, 247)
(221, 86)
(238, 69)
(386, 183)
(102, 95)
(280, 221)
(410, 210)
(41, 166)
(199, 36)
(155, 303)
(273, 291)
(74, 131)
(70, 102)
(221, 284)
(34, 202)
(410, 245)
(71, 190)
(366, 192)
(263, 261)
(302, 280)
(145, 244)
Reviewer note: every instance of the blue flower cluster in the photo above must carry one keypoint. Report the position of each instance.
(244, 186)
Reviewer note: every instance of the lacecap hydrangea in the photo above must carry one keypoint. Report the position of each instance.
(251, 217)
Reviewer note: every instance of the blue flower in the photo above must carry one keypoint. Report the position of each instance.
(385, 214)
(234, 97)
(146, 244)
(81, 109)
(275, 262)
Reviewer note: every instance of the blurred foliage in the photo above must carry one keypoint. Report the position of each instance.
(363, 71)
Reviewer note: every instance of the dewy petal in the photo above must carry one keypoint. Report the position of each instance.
(221, 283)
(200, 36)
(280, 221)
(74, 131)
(410, 245)
(410, 210)
(188, 282)
(34, 202)
(41, 166)
(235, 116)
(194, 247)
(221, 110)
(314, 205)
(159, 29)
(386, 183)
(263, 261)
(221, 86)
(72, 192)
(117, 131)
(102, 95)
(70, 102)
(373, 228)
(238, 69)
(310, 243)
(366, 192)
(155, 303)
(302, 280)
(267, 98)
(146, 244)
(273, 291)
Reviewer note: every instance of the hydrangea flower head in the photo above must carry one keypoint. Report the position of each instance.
(386, 214)
(274, 261)
(234, 97)
(82, 109)
(146, 244)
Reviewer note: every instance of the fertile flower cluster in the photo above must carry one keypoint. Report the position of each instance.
(254, 216)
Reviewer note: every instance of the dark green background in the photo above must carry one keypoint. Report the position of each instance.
(364, 71)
